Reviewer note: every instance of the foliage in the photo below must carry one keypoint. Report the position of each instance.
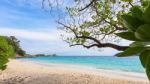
(15, 43)
(9, 47)
(93, 23)
(6, 51)
(99, 23)
(21, 52)
(137, 23)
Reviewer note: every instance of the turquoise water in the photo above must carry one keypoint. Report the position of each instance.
(131, 64)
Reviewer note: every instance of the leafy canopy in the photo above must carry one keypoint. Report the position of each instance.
(15, 43)
(9, 47)
(93, 23)
(6, 51)
(99, 23)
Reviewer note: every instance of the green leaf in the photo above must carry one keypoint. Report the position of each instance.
(3, 67)
(6, 51)
(131, 23)
(144, 3)
(131, 51)
(113, 1)
(127, 0)
(148, 65)
(136, 12)
(146, 15)
(127, 36)
(83, 41)
(85, 33)
(140, 44)
(143, 32)
(143, 57)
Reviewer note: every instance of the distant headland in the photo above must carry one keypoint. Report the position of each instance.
(38, 55)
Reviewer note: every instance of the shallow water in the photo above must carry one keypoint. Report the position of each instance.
(130, 64)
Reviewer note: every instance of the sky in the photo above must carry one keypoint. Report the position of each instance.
(37, 29)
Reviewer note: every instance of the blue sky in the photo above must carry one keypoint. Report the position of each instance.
(37, 30)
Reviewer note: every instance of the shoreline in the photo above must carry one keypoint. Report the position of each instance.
(121, 73)
(132, 64)
(77, 66)
(75, 74)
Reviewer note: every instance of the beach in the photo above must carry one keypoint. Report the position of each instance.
(20, 72)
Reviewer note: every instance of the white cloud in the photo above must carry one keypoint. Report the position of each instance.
(37, 41)
(53, 35)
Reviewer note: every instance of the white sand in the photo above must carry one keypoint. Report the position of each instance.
(32, 73)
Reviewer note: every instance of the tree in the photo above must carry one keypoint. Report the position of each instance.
(100, 23)
(15, 43)
(9, 47)
(6, 51)
(95, 24)
(21, 52)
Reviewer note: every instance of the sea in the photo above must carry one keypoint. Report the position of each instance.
(128, 64)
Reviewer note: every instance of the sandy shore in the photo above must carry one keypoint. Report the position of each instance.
(30, 73)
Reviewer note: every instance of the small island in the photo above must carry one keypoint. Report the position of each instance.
(41, 55)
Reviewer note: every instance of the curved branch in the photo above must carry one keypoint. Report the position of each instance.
(90, 38)
(116, 27)
(67, 27)
(88, 5)
(98, 43)
(114, 46)
(131, 4)
(86, 46)
(104, 45)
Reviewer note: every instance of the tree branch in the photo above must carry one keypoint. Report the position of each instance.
(98, 43)
(90, 38)
(114, 46)
(67, 27)
(116, 27)
(104, 45)
(88, 5)
(131, 4)
(86, 46)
